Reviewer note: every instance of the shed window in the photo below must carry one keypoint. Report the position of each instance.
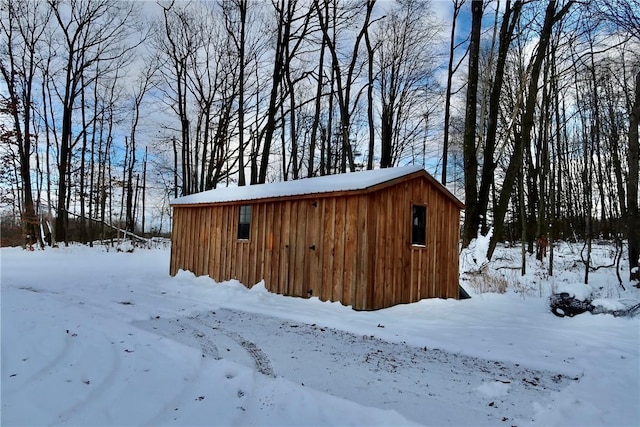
(418, 225)
(244, 222)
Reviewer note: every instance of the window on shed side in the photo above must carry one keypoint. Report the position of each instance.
(244, 222)
(418, 225)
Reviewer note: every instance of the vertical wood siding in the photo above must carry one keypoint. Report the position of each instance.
(353, 248)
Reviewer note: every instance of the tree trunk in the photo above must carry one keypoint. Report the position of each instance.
(633, 214)
(524, 138)
(509, 21)
(457, 6)
(64, 160)
(472, 215)
(284, 28)
(370, 80)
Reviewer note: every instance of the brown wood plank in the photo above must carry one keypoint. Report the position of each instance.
(398, 216)
(186, 241)
(252, 246)
(421, 254)
(338, 249)
(379, 253)
(350, 251)
(176, 228)
(311, 267)
(436, 236)
(225, 248)
(276, 251)
(224, 237)
(447, 279)
(190, 241)
(414, 281)
(438, 261)
(232, 242)
(205, 232)
(404, 230)
(328, 230)
(197, 250)
(261, 244)
(267, 254)
(371, 282)
(362, 258)
(212, 242)
(231, 237)
(285, 228)
(236, 248)
(246, 263)
(195, 241)
(214, 245)
(255, 243)
(301, 249)
(389, 220)
(431, 249)
(293, 249)
(320, 286)
(240, 262)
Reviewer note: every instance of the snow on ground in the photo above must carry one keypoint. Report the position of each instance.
(91, 337)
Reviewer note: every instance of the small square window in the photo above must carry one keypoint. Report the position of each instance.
(418, 225)
(244, 222)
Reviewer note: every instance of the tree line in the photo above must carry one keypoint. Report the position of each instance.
(528, 110)
(550, 141)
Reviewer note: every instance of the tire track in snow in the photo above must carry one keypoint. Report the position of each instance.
(420, 383)
(262, 362)
(209, 335)
(176, 401)
(55, 361)
(206, 335)
(99, 389)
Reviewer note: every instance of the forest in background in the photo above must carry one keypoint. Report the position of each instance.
(527, 110)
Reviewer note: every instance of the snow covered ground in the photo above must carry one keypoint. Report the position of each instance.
(91, 337)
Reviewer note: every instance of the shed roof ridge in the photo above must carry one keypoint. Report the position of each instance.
(350, 181)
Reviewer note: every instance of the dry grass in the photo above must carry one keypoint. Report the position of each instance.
(484, 282)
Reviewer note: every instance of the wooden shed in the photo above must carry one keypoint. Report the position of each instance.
(369, 239)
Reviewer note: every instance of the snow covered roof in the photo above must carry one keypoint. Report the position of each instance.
(323, 184)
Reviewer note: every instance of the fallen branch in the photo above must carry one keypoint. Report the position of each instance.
(120, 230)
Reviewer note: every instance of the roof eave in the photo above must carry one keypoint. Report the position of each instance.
(366, 190)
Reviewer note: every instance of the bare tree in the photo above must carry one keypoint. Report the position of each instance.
(523, 138)
(145, 82)
(625, 14)
(285, 11)
(235, 13)
(344, 81)
(633, 213)
(23, 27)
(178, 45)
(509, 20)
(451, 70)
(404, 71)
(472, 214)
(91, 31)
